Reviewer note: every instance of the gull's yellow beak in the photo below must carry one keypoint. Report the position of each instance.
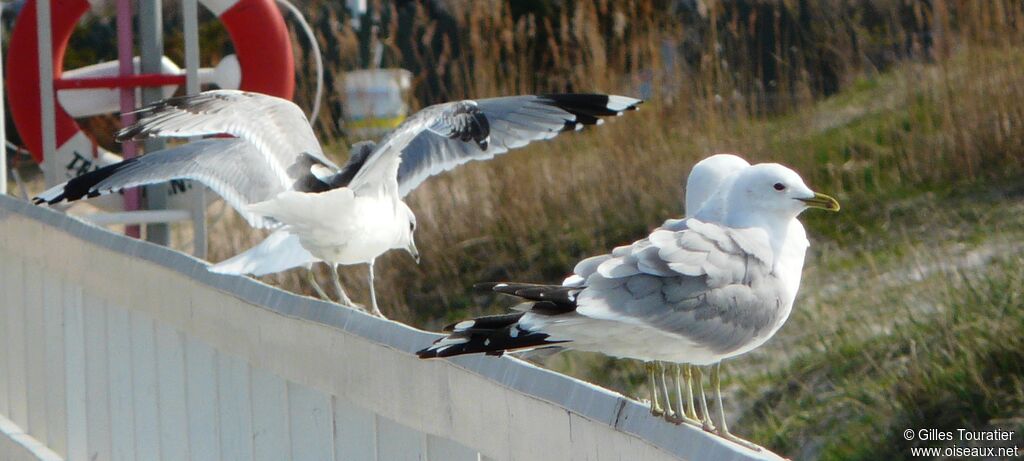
(413, 251)
(822, 201)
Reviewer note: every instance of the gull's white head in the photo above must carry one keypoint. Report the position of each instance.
(406, 237)
(706, 177)
(770, 193)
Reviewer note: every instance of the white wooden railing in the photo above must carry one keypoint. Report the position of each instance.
(115, 349)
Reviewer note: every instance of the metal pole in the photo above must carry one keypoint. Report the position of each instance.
(151, 44)
(190, 16)
(46, 95)
(3, 119)
(126, 67)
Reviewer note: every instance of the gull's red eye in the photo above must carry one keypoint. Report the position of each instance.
(780, 186)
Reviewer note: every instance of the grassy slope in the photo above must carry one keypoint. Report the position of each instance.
(920, 332)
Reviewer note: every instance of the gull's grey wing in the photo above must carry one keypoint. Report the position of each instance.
(696, 294)
(276, 127)
(232, 168)
(697, 284)
(709, 284)
(444, 136)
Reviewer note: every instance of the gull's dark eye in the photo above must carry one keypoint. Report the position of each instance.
(412, 226)
(779, 186)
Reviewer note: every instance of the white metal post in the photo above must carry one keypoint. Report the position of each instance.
(3, 119)
(125, 41)
(151, 46)
(190, 16)
(46, 95)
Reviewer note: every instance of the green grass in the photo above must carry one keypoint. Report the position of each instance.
(916, 329)
(955, 360)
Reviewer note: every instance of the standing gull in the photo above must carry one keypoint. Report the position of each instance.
(706, 177)
(790, 260)
(696, 295)
(275, 174)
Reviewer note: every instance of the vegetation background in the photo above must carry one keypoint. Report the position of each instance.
(910, 112)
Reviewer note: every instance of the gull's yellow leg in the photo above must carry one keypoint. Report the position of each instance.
(691, 410)
(684, 402)
(311, 278)
(342, 296)
(373, 294)
(705, 416)
(723, 428)
(670, 414)
(656, 409)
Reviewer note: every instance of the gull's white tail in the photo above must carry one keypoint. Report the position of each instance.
(280, 251)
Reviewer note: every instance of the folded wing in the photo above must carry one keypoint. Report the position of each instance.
(706, 283)
(710, 286)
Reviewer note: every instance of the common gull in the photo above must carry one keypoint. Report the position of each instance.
(700, 294)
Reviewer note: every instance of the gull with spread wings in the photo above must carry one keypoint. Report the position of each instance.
(275, 174)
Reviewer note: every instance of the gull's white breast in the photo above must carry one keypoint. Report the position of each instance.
(339, 226)
(360, 230)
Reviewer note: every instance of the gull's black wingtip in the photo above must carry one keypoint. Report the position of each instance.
(51, 196)
(128, 133)
(588, 108)
(485, 286)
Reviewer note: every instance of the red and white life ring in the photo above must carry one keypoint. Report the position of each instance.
(257, 31)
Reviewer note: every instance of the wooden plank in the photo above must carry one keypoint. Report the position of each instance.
(122, 413)
(439, 449)
(488, 430)
(97, 378)
(236, 435)
(593, 441)
(311, 423)
(271, 441)
(355, 432)
(538, 429)
(56, 399)
(7, 289)
(144, 384)
(35, 351)
(396, 442)
(16, 355)
(74, 374)
(201, 392)
(171, 402)
(592, 444)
